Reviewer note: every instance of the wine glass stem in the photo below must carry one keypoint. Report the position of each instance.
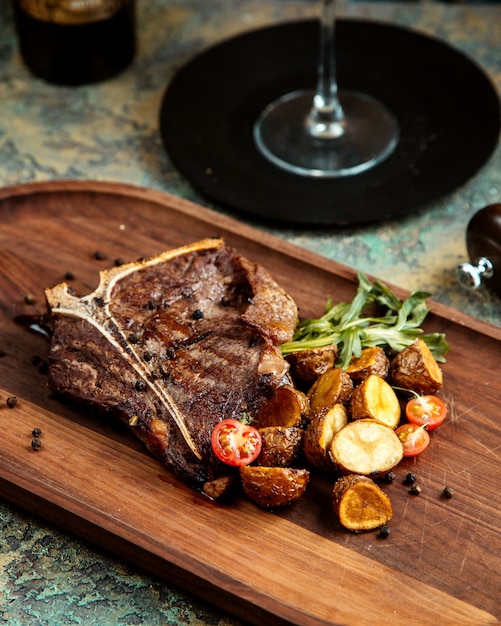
(326, 115)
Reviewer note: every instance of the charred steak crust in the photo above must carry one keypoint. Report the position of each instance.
(172, 345)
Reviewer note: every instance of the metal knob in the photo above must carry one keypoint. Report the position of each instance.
(471, 275)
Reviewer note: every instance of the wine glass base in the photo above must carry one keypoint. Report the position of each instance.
(366, 136)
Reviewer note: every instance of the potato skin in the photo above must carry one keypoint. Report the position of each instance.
(319, 434)
(307, 365)
(280, 445)
(273, 487)
(330, 388)
(372, 361)
(416, 368)
(288, 407)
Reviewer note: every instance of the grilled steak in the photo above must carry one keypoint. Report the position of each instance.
(172, 345)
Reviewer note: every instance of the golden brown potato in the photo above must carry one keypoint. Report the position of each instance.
(219, 487)
(272, 487)
(360, 504)
(288, 407)
(280, 445)
(415, 368)
(375, 399)
(306, 366)
(333, 387)
(371, 361)
(366, 447)
(319, 434)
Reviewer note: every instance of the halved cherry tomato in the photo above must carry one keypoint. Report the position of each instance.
(429, 411)
(235, 443)
(414, 438)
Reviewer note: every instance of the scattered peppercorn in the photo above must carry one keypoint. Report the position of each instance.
(447, 492)
(69, 276)
(225, 301)
(11, 402)
(147, 356)
(140, 385)
(119, 262)
(151, 305)
(29, 298)
(134, 338)
(36, 432)
(36, 444)
(198, 314)
(389, 478)
(384, 531)
(415, 490)
(410, 479)
(100, 256)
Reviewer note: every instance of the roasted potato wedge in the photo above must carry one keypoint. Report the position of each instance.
(219, 487)
(371, 361)
(306, 366)
(366, 447)
(280, 445)
(273, 487)
(289, 407)
(360, 504)
(375, 399)
(416, 368)
(333, 387)
(319, 434)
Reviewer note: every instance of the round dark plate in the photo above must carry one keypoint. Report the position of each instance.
(447, 109)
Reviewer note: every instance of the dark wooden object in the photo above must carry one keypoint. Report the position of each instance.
(440, 564)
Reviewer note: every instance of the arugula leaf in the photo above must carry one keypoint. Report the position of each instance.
(346, 326)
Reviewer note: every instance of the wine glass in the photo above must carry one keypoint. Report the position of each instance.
(326, 132)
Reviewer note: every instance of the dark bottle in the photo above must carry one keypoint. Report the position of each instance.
(483, 242)
(75, 42)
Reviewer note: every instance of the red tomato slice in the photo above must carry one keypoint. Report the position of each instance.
(235, 443)
(414, 438)
(429, 411)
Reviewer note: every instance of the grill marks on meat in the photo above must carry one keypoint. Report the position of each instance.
(172, 345)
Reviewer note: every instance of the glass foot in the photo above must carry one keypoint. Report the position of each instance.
(365, 137)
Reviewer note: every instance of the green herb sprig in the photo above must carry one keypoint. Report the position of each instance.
(346, 326)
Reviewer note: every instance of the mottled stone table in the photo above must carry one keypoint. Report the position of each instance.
(110, 132)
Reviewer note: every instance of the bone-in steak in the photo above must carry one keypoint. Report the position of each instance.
(172, 345)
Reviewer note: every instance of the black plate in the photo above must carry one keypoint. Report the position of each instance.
(447, 109)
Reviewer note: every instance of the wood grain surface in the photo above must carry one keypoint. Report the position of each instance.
(440, 564)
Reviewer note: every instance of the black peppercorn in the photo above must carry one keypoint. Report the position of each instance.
(198, 314)
(36, 444)
(147, 356)
(389, 477)
(119, 262)
(384, 531)
(11, 402)
(69, 276)
(140, 385)
(29, 298)
(410, 479)
(447, 492)
(36, 432)
(100, 256)
(415, 490)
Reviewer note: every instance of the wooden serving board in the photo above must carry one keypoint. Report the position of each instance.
(440, 564)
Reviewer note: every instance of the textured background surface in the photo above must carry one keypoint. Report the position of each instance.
(110, 132)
